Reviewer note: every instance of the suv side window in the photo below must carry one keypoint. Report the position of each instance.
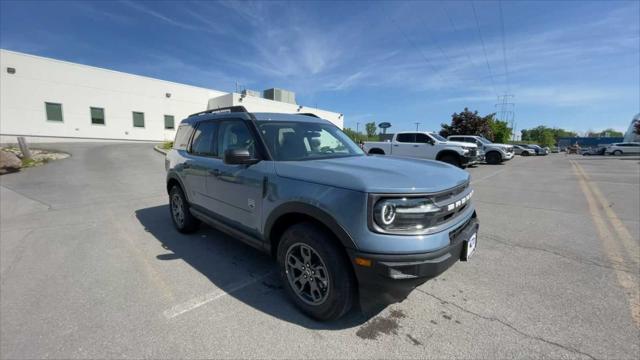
(406, 137)
(203, 143)
(235, 134)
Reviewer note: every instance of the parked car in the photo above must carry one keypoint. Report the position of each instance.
(599, 150)
(623, 148)
(538, 149)
(523, 151)
(425, 145)
(493, 153)
(339, 223)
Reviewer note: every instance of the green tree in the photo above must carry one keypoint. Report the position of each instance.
(352, 134)
(371, 129)
(605, 133)
(468, 123)
(636, 127)
(545, 135)
(500, 129)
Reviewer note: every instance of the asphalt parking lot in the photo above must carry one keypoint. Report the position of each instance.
(91, 267)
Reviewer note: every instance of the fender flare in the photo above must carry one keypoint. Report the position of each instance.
(298, 207)
(172, 176)
(445, 152)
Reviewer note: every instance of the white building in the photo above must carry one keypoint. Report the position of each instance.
(51, 100)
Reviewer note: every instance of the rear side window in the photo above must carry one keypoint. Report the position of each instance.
(182, 137)
(203, 143)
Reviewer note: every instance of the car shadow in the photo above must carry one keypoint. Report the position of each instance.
(228, 262)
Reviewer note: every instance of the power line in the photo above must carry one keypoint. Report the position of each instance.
(456, 31)
(484, 49)
(419, 49)
(504, 48)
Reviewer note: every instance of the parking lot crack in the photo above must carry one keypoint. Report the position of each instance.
(508, 325)
(617, 267)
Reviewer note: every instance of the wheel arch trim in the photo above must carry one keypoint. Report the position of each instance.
(301, 208)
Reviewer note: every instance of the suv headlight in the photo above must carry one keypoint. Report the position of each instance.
(403, 214)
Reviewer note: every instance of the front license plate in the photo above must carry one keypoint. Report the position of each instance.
(469, 247)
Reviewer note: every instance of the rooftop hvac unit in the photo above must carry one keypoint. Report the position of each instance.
(280, 95)
(247, 92)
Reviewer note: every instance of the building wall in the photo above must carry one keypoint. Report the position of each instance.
(257, 104)
(78, 87)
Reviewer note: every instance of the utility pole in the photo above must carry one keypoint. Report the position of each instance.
(507, 111)
(417, 124)
(358, 130)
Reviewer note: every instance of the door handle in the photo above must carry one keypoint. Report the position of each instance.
(396, 145)
(416, 145)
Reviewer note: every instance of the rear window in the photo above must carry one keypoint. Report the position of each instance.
(182, 137)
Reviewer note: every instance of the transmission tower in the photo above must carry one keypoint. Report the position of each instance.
(506, 111)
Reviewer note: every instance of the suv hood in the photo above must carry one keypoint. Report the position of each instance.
(505, 146)
(376, 174)
(459, 143)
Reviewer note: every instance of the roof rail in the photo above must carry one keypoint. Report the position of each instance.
(307, 114)
(221, 110)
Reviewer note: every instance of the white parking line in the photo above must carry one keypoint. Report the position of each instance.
(207, 298)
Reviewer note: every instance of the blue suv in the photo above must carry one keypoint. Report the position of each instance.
(340, 224)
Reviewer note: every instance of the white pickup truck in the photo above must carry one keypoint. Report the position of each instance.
(426, 145)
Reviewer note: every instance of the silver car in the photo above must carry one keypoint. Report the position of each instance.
(523, 151)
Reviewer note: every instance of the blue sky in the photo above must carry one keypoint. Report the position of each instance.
(572, 64)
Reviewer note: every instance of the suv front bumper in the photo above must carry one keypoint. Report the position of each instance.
(398, 274)
(469, 160)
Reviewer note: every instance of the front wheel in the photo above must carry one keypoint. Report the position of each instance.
(451, 159)
(617, 153)
(493, 158)
(315, 272)
(525, 153)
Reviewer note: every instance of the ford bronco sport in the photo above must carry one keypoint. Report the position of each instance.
(340, 224)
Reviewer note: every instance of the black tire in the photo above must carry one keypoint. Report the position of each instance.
(186, 223)
(617, 153)
(493, 158)
(376, 151)
(525, 153)
(340, 285)
(451, 159)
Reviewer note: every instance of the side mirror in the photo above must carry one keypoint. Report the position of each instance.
(239, 157)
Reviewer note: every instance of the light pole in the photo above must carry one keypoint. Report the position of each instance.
(417, 124)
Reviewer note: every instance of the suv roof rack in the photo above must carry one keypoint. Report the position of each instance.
(222, 110)
(308, 114)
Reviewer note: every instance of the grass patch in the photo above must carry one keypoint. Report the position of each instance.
(167, 145)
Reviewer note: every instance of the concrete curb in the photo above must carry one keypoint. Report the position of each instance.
(160, 150)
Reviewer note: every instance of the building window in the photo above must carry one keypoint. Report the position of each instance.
(54, 111)
(97, 116)
(168, 122)
(138, 119)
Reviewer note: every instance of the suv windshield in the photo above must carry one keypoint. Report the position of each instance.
(438, 137)
(291, 141)
(484, 141)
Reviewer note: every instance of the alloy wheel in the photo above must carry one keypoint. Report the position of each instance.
(307, 274)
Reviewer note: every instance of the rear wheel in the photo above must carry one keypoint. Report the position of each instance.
(617, 153)
(525, 153)
(180, 214)
(493, 158)
(315, 272)
(451, 159)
